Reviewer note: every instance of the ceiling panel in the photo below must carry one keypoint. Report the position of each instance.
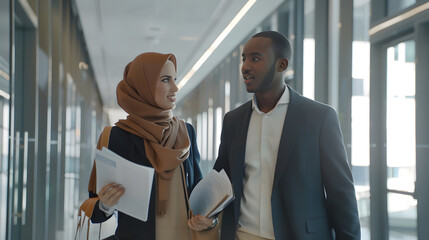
(117, 31)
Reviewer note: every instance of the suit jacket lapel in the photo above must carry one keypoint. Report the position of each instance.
(238, 143)
(291, 129)
(239, 139)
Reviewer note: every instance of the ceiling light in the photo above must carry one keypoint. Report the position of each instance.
(4, 75)
(83, 66)
(216, 43)
(4, 94)
(188, 38)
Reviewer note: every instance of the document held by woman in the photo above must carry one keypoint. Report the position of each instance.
(136, 179)
(212, 194)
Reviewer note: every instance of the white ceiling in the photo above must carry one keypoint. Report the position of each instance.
(116, 31)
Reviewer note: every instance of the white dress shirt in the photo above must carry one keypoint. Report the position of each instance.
(262, 145)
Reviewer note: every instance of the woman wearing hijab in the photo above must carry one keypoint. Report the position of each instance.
(152, 136)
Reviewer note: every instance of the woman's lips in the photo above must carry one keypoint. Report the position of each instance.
(172, 98)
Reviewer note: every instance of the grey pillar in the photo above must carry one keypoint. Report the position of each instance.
(422, 131)
(321, 65)
(377, 172)
(345, 72)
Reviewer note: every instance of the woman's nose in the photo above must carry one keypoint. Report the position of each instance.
(174, 87)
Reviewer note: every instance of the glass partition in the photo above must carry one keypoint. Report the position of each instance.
(360, 110)
(309, 48)
(4, 109)
(285, 26)
(71, 182)
(394, 6)
(401, 140)
(4, 151)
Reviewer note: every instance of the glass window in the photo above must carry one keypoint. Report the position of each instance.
(401, 118)
(204, 137)
(4, 150)
(4, 35)
(266, 25)
(4, 110)
(189, 120)
(286, 27)
(401, 140)
(360, 110)
(72, 155)
(309, 48)
(210, 131)
(4, 48)
(402, 211)
(227, 96)
(394, 6)
(199, 132)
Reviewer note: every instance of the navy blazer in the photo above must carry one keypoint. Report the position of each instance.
(131, 147)
(313, 190)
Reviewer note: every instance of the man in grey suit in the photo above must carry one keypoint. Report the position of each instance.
(285, 157)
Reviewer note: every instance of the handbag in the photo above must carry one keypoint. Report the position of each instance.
(210, 234)
(88, 205)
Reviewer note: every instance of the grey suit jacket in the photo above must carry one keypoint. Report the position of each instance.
(313, 196)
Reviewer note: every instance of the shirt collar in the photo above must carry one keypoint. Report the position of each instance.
(284, 99)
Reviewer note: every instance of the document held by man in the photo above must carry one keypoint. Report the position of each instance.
(212, 194)
(136, 179)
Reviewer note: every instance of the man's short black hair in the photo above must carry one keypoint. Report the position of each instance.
(281, 44)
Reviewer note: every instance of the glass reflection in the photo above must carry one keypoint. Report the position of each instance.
(4, 149)
(309, 49)
(394, 6)
(360, 111)
(402, 211)
(401, 139)
(4, 110)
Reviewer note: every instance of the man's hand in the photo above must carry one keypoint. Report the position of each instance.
(200, 223)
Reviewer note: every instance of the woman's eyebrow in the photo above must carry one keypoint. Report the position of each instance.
(168, 76)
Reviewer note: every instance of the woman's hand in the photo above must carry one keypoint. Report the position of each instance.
(200, 223)
(110, 194)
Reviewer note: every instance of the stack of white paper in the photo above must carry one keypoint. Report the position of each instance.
(212, 194)
(136, 179)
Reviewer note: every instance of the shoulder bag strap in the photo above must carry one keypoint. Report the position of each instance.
(185, 190)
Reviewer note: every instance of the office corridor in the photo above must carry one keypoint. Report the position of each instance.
(61, 60)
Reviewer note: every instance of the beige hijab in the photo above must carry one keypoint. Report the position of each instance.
(165, 137)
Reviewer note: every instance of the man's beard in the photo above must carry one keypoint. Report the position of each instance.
(268, 79)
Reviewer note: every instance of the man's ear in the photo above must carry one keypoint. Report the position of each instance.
(282, 64)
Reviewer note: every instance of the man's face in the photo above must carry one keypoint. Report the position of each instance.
(259, 64)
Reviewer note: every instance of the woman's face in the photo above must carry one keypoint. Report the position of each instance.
(165, 93)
